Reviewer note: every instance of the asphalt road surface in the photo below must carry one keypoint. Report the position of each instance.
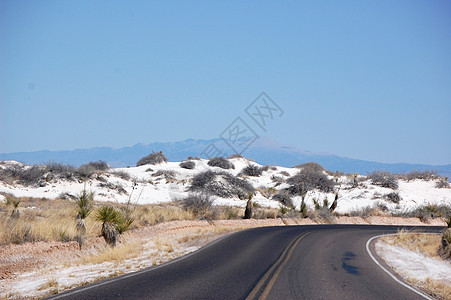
(292, 262)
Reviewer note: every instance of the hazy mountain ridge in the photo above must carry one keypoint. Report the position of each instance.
(263, 151)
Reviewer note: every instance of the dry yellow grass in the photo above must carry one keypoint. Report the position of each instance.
(423, 242)
(439, 289)
(52, 283)
(156, 213)
(117, 254)
(40, 220)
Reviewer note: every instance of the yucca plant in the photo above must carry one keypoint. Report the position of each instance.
(448, 221)
(15, 214)
(248, 210)
(334, 204)
(84, 203)
(303, 207)
(125, 220)
(110, 219)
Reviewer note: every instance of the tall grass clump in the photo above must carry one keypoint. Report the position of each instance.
(153, 158)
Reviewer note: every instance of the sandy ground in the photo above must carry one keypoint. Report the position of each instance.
(38, 269)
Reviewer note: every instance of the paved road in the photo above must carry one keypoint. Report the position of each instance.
(293, 262)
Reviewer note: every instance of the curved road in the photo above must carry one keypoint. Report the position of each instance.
(293, 262)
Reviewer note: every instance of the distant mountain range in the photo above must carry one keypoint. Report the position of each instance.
(263, 150)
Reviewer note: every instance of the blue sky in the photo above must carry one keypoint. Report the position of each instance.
(362, 79)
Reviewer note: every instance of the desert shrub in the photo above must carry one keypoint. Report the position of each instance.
(220, 184)
(308, 179)
(189, 164)
(428, 211)
(252, 170)
(31, 175)
(423, 175)
(121, 174)
(61, 171)
(336, 174)
(267, 192)
(362, 212)
(153, 158)
(445, 245)
(325, 214)
(200, 204)
(113, 186)
(442, 183)
(193, 158)
(99, 165)
(284, 173)
(384, 179)
(221, 162)
(277, 179)
(168, 174)
(266, 168)
(284, 198)
(312, 166)
(393, 197)
(86, 171)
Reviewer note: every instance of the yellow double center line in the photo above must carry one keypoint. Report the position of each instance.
(270, 277)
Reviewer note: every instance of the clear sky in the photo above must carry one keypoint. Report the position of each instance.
(362, 79)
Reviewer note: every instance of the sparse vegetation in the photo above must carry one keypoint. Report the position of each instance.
(153, 158)
(221, 162)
